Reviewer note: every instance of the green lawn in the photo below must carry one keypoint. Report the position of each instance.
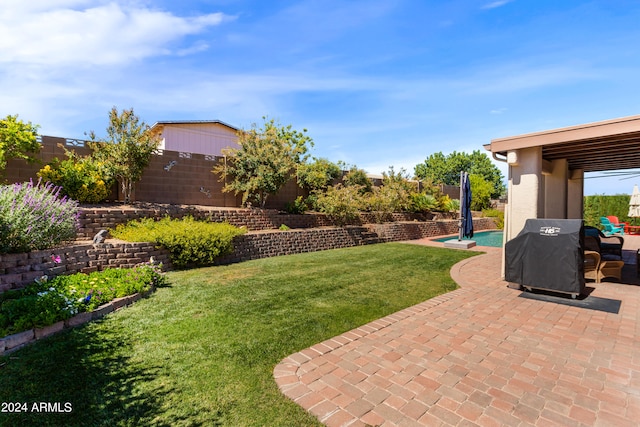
(201, 352)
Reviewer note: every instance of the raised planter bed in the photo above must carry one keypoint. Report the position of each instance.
(18, 340)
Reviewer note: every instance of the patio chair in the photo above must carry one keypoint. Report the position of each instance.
(597, 269)
(610, 269)
(591, 265)
(609, 247)
(609, 228)
(615, 221)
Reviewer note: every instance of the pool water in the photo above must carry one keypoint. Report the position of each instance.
(482, 238)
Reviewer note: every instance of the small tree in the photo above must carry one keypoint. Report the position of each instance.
(446, 169)
(127, 150)
(265, 161)
(17, 140)
(480, 191)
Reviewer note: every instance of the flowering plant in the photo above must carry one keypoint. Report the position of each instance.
(35, 216)
(47, 301)
(82, 178)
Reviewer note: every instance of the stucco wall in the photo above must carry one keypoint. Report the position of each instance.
(201, 138)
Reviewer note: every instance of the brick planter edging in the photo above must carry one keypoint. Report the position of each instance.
(14, 342)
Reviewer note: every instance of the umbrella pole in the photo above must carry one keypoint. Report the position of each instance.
(460, 224)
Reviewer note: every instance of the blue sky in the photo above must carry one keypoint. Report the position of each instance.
(377, 83)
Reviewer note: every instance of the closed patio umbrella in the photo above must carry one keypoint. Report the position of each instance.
(465, 207)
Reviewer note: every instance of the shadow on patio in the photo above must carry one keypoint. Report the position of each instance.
(480, 355)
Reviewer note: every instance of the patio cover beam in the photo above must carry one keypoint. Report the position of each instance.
(608, 145)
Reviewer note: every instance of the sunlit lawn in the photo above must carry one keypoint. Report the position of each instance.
(201, 352)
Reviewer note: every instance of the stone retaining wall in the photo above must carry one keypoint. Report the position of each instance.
(275, 243)
(399, 231)
(93, 220)
(18, 270)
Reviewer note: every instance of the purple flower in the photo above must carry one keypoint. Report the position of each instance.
(56, 258)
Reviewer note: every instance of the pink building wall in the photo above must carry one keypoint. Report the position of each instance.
(206, 137)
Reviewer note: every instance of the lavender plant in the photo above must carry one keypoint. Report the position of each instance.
(34, 216)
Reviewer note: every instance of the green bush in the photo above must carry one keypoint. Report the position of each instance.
(82, 178)
(298, 206)
(601, 205)
(357, 178)
(448, 204)
(341, 203)
(190, 242)
(481, 192)
(497, 215)
(317, 175)
(46, 302)
(381, 202)
(34, 216)
(422, 202)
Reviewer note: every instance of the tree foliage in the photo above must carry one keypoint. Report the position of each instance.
(341, 203)
(600, 205)
(17, 140)
(266, 160)
(481, 192)
(358, 177)
(318, 174)
(394, 195)
(81, 178)
(127, 149)
(446, 169)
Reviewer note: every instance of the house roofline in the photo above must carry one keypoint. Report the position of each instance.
(186, 122)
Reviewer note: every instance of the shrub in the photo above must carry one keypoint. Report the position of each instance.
(82, 178)
(358, 178)
(46, 302)
(317, 175)
(381, 202)
(189, 242)
(33, 216)
(298, 206)
(602, 205)
(449, 205)
(341, 203)
(422, 202)
(481, 192)
(497, 215)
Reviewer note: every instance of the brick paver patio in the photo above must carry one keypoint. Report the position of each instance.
(480, 355)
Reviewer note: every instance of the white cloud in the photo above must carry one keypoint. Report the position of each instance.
(82, 33)
(496, 4)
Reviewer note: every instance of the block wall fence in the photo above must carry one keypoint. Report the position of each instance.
(172, 177)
